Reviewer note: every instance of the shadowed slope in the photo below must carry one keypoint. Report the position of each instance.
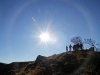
(66, 63)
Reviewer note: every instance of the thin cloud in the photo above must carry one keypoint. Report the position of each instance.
(33, 19)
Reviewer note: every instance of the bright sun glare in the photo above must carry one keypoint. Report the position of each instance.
(45, 37)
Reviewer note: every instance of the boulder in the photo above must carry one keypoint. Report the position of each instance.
(40, 59)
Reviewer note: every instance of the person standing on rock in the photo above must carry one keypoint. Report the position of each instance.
(81, 46)
(70, 47)
(66, 48)
(73, 47)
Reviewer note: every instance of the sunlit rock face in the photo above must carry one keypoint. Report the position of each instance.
(40, 59)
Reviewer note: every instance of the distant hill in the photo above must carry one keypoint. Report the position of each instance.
(2, 65)
(14, 66)
(80, 62)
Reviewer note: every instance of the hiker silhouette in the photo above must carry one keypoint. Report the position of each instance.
(70, 47)
(66, 48)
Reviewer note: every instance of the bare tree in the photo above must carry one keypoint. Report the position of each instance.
(90, 41)
(77, 40)
(92, 44)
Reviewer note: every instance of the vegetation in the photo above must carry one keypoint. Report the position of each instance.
(93, 44)
(76, 40)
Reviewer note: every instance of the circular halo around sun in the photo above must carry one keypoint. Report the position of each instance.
(45, 37)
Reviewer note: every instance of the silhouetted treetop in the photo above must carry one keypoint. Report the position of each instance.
(89, 41)
(92, 43)
(76, 40)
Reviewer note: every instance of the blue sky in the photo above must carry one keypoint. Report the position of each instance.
(22, 21)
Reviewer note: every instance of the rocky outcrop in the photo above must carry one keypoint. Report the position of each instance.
(40, 59)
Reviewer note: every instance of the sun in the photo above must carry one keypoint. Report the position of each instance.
(45, 37)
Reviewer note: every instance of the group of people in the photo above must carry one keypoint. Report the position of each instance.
(75, 47)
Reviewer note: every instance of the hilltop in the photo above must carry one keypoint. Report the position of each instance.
(80, 62)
